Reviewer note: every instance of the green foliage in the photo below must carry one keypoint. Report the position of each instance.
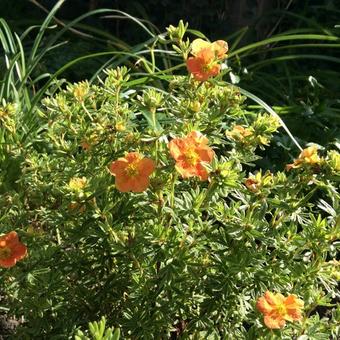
(185, 258)
(98, 331)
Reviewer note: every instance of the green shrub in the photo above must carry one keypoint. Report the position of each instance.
(188, 257)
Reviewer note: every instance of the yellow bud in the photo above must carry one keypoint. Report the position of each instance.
(195, 106)
(120, 126)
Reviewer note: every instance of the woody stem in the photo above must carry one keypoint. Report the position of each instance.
(209, 191)
(172, 195)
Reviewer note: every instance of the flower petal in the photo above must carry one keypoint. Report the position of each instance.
(133, 157)
(206, 55)
(274, 321)
(8, 263)
(184, 170)
(197, 137)
(273, 299)
(10, 238)
(117, 167)
(194, 65)
(263, 306)
(215, 70)
(206, 154)
(19, 251)
(201, 172)
(139, 184)
(293, 307)
(123, 183)
(146, 166)
(221, 48)
(177, 146)
(198, 44)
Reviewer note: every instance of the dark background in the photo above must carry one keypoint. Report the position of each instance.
(216, 18)
(307, 88)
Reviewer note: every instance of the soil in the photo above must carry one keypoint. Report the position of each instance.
(7, 327)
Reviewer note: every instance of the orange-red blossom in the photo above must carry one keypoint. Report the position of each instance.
(191, 153)
(132, 172)
(11, 250)
(204, 62)
(278, 309)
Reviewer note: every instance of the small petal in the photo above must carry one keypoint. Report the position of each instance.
(133, 156)
(274, 322)
(202, 172)
(177, 146)
(263, 306)
(123, 183)
(221, 48)
(198, 44)
(273, 299)
(206, 55)
(146, 166)
(206, 154)
(118, 167)
(198, 138)
(294, 307)
(194, 65)
(139, 184)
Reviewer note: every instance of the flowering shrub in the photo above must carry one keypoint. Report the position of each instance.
(144, 203)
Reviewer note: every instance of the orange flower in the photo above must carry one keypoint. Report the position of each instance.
(203, 66)
(190, 154)
(307, 156)
(204, 63)
(11, 250)
(278, 309)
(132, 172)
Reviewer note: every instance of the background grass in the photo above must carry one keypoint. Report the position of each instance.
(285, 52)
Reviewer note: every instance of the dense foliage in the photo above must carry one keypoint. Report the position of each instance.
(193, 248)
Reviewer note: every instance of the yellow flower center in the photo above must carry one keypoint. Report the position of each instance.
(281, 309)
(5, 253)
(191, 157)
(312, 159)
(132, 170)
(80, 91)
(208, 67)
